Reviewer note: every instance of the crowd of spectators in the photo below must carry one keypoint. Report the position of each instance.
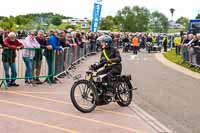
(36, 44)
(190, 49)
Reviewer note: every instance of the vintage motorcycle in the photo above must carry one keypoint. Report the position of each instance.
(90, 92)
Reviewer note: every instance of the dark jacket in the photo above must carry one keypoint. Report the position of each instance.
(1, 38)
(149, 39)
(126, 40)
(79, 42)
(63, 41)
(38, 52)
(92, 39)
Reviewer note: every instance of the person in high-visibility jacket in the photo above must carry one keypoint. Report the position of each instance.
(135, 44)
(154, 39)
(165, 42)
(110, 59)
(177, 43)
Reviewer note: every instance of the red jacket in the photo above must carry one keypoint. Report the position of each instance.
(9, 53)
(12, 45)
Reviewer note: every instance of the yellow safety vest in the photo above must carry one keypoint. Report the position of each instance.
(177, 41)
(165, 38)
(107, 58)
(154, 39)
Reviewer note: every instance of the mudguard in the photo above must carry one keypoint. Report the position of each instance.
(129, 84)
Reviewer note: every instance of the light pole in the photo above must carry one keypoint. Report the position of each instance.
(172, 10)
(156, 27)
(46, 26)
(121, 27)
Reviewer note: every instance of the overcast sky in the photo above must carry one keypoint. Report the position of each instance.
(83, 8)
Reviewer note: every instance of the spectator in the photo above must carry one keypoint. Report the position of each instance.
(30, 43)
(78, 40)
(198, 50)
(126, 43)
(80, 44)
(142, 42)
(158, 38)
(92, 39)
(192, 44)
(54, 41)
(115, 40)
(85, 42)
(11, 44)
(184, 48)
(154, 40)
(198, 36)
(177, 43)
(135, 44)
(126, 39)
(69, 40)
(59, 57)
(1, 37)
(149, 43)
(165, 42)
(37, 60)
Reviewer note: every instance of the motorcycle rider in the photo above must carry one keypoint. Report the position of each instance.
(110, 59)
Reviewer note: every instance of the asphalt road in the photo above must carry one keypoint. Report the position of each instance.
(48, 109)
(170, 96)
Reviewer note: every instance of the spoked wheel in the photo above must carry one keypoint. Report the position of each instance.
(124, 94)
(84, 96)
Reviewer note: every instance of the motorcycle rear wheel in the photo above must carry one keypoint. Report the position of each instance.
(124, 94)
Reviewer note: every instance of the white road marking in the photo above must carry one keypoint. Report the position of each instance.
(132, 57)
(159, 127)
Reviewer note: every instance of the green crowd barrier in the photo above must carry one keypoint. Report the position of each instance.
(46, 64)
(13, 61)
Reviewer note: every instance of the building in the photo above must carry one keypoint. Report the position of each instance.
(74, 21)
(174, 25)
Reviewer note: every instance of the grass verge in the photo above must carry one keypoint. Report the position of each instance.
(171, 56)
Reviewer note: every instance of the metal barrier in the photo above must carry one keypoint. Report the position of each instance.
(70, 57)
(46, 64)
(191, 55)
(27, 64)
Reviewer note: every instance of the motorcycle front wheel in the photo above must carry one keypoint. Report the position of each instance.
(84, 96)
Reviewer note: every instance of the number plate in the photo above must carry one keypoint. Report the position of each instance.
(88, 77)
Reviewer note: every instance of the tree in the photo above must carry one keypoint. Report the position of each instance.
(107, 23)
(2, 18)
(8, 23)
(56, 20)
(31, 21)
(183, 21)
(198, 16)
(20, 20)
(133, 19)
(158, 22)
